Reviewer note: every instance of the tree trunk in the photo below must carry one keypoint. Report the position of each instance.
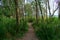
(40, 8)
(23, 10)
(46, 10)
(36, 10)
(49, 9)
(17, 12)
(59, 10)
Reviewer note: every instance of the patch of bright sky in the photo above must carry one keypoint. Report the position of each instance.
(28, 1)
(53, 6)
(0, 2)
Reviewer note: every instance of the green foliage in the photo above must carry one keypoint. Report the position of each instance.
(48, 30)
(28, 9)
(8, 8)
(30, 19)
(2, 31)
(1, 10)
(9, 29)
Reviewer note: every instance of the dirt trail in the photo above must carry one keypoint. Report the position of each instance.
(30, 35)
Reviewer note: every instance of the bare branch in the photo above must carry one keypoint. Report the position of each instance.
(55, 11)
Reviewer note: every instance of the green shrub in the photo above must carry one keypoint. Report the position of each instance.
(8, 25)
(23, 28)
(47, 30)
(30, 19)
(3, 31)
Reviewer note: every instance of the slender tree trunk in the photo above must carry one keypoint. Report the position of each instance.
(46, 10)
(49, 9)
(36, 11)
(40, 8)
(17, 12)
(59, 10)
(23, 7)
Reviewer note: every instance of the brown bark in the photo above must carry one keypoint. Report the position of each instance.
(17, 12)
(36, 10)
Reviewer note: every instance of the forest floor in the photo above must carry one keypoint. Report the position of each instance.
(30, 35)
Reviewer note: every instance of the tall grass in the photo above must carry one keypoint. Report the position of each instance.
(8, 28)
(48, 29)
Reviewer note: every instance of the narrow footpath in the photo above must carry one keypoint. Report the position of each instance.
(30, 35)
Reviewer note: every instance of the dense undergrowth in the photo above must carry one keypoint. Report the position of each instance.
(30, 19)
(48, 29)
(9, 29)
